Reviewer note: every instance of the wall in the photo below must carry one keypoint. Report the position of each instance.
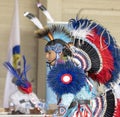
(41, 64)
(105, 12)
(29, 44)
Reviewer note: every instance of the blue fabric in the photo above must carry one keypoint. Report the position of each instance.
(51, 97)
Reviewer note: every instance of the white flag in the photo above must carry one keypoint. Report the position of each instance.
(13, 55)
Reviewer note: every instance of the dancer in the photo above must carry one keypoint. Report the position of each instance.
(87, 54)
(91, 55)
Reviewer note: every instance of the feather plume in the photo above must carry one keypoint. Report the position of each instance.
(42, 33)
(110, 101)
(117, 109)
(101, 41)
(21, 79)
(57, 32)
(59, 87)
(45, 12)
(33, 19)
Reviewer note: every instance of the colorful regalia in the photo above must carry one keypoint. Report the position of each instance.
(94, 59)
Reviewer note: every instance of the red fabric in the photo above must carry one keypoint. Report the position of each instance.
(81, 113)
(26, 90)
(78, 111)
(117, 109)
(107, 59)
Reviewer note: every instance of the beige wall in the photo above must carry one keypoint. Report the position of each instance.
(31, 47)
(41, 64)
(29, 44)
(106, 12)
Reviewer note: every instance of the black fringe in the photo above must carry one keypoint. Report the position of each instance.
(52, 29)
(92, 53)
(58, 29)
(110, 101)
(42, 32)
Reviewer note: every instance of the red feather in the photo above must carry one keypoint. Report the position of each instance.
(104, 74)
(117, 109)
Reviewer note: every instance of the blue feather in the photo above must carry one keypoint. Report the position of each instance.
(115, 51)
(21, 79)
(59, 32)
(54, 78)
(11, 69)
(109, 40)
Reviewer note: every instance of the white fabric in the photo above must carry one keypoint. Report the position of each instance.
(22, 101)
(116, 90)
(13, 40)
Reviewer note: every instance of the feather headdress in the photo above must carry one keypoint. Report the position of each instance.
(53, 32)
(100, 46)
(98, 52)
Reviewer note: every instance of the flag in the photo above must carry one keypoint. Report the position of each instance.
(13, 55)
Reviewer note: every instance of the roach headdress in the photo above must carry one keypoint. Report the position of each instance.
(53, 32)
(57, 36)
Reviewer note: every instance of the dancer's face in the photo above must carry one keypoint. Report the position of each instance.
(51, 57)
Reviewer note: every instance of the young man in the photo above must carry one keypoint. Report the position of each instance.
(91, 56)
(66, 77)
(57, 51)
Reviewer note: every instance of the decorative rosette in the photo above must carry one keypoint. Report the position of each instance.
(66, 78)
